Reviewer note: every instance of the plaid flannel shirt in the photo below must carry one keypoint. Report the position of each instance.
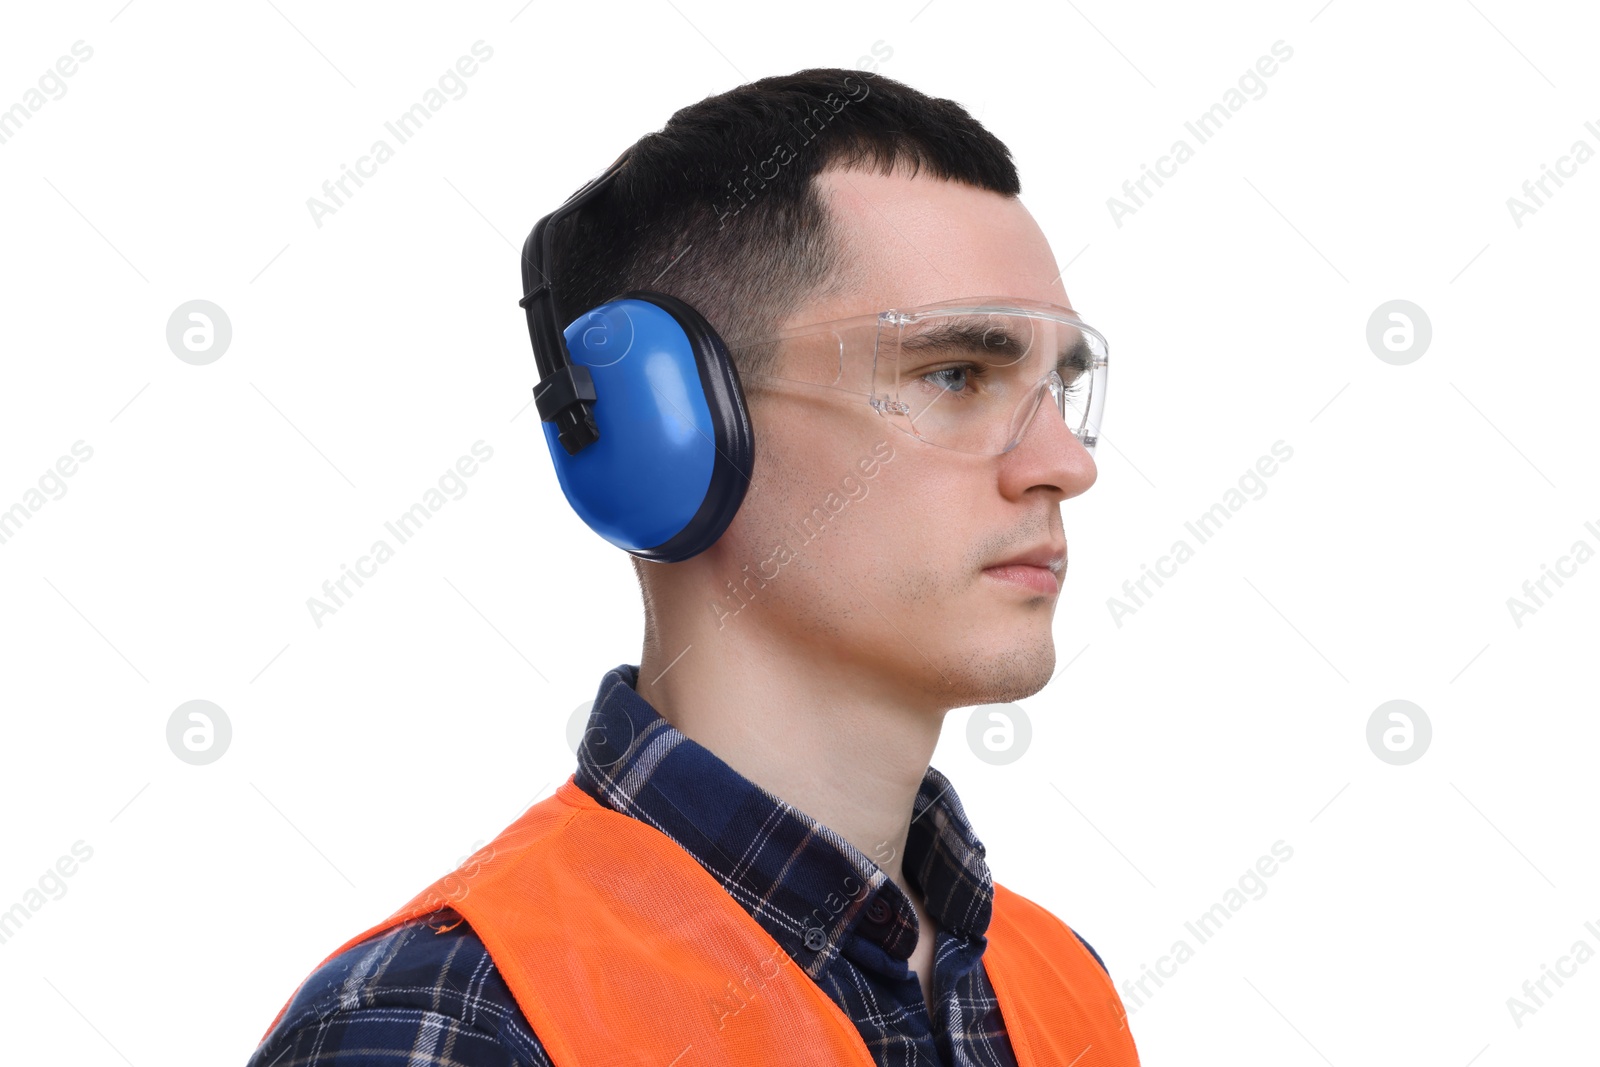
(427, 994)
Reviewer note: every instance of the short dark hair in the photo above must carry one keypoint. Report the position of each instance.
(718, 207)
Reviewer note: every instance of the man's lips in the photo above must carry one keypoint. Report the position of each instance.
(1051, 557)
(1039, 579)
(1037, 569)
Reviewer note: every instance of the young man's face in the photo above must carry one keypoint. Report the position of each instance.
(896, 582)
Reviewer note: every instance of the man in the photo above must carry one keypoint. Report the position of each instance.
(795, 675)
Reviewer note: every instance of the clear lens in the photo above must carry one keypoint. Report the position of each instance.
(972, 379)
(968, 378)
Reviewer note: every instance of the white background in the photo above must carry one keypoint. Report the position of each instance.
(1229, 712)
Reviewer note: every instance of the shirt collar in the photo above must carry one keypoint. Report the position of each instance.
(813, 891)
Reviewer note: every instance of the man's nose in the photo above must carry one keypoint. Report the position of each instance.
(1049, 451)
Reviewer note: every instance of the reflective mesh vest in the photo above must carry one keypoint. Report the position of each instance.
(621, 949)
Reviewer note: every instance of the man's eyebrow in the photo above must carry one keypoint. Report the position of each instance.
(978, 335)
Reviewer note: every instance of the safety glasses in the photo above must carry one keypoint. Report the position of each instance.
(966, 375)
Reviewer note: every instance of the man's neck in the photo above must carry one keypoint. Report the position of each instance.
(835, 742)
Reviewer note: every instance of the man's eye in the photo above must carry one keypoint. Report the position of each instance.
(955, 379)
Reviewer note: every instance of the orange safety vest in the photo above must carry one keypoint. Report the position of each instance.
(621, 949)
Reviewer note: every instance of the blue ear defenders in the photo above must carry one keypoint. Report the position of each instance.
(642, 410)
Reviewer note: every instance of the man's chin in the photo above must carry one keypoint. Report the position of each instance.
(996, 676)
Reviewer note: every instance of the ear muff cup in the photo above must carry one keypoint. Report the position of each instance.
(676, 448)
